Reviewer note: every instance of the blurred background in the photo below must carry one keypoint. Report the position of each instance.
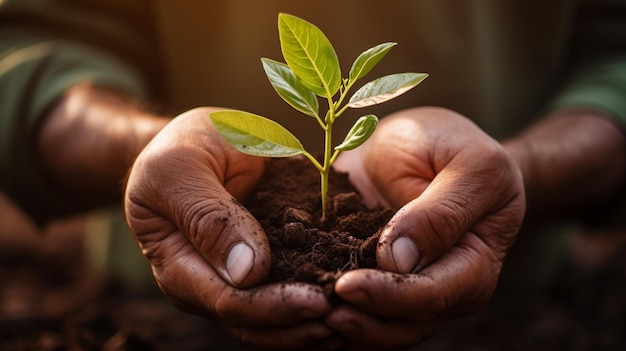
(80, 283)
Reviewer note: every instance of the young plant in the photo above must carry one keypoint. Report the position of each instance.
(312, 70)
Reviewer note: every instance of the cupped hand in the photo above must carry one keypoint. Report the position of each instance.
(461, 202)
(207, 253)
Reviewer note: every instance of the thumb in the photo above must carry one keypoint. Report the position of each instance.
(230, 240)
(210, 223)
(453, 204)
(222, 230)
(423, 229)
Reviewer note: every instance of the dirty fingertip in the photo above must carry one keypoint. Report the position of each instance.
(349, 289)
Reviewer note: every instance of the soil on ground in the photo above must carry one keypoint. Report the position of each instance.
(51, 298)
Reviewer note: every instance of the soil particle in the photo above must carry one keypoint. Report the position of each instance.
(296, 215)
(294, 235)
(367, 253)
(346, 203)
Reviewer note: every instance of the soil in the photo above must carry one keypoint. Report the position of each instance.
(287, 203)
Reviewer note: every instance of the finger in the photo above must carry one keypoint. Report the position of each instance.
(221, 230)
(272, 305)
(460, 282)
(229, 238)
(372, 333)
(421, 231)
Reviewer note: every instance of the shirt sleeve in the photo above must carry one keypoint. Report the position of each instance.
(596, 78)
(34, 73)
(601, 86)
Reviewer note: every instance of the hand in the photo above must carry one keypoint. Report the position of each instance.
(461, 200)
(205, 247)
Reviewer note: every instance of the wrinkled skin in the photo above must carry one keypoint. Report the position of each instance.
(179, 205)
(461, 202)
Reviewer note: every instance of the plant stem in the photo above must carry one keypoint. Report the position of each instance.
(328, 153)
(342, 96)
(326, 169)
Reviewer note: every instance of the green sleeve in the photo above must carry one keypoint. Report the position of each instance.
(34, 73)
(596, 77)
(601, 86)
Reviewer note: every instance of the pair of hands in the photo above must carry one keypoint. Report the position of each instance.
(460, 198)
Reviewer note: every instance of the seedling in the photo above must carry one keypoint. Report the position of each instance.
(312, 71)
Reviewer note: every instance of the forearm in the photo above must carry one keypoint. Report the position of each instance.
(89, 139)
(570, 161)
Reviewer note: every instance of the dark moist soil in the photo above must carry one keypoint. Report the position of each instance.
(287, 203)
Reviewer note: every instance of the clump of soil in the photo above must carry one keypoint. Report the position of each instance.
(287, 203)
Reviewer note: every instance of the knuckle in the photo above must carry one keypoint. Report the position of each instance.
(447, 221)
(204, 223)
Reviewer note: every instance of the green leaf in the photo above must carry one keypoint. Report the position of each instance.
(385, 88)
(368, 59)
(289, 87)
(255, 135)
(359, 133)
(309, 54)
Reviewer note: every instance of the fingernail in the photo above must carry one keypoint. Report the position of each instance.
(405, 254)
(239, 262)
